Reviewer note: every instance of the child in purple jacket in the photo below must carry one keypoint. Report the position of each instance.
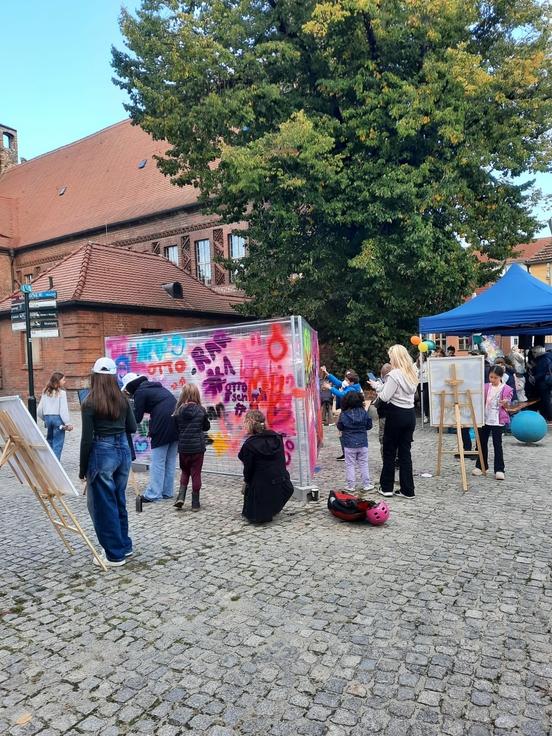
(354, 423)
(497, 396)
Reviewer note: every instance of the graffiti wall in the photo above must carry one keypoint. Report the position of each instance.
(271, 366)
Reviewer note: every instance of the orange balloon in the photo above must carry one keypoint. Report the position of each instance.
(415, 340)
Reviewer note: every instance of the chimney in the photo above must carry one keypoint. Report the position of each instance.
(8, 148)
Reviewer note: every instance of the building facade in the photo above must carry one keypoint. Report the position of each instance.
(107, 189)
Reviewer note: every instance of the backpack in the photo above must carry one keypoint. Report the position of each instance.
(347, 507)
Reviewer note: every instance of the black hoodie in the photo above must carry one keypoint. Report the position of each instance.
(191, 422)
(268, 485)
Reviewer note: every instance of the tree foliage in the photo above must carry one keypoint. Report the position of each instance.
(365, 142)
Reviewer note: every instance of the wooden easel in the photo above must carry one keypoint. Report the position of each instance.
(26, 463)
(454, 401)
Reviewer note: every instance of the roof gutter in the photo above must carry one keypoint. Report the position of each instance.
(135, 309)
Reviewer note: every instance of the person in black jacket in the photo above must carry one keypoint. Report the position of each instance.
(150, 397)
(191, 423)
(267, 485)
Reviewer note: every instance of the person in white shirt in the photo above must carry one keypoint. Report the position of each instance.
(54, 410)
(400, 421)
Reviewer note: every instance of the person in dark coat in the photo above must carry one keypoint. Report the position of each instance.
(192, 422)
(542, 375)
(267, 485)
(150, 397)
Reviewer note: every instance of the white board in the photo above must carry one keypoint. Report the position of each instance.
(57, 478)
(469, 370)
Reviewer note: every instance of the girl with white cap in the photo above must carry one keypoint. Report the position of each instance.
(105, 461)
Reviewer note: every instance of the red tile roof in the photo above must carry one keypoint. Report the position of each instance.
(532, 252)
(107, 275)
(103, 185)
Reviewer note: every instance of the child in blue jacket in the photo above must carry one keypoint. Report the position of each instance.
(354, 423)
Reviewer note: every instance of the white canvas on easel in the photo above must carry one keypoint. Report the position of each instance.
(471, 372)
(33, 436)
(34, 464)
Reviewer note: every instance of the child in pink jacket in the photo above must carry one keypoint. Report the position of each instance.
(497, 396)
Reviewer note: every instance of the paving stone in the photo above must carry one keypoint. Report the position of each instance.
(217, 628)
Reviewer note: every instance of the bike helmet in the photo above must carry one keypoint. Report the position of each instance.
(378, 514)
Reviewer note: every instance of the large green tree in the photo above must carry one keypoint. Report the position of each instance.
(371, 145)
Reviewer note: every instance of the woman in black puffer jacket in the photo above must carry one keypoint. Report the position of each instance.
(191, 423)
(267, 484)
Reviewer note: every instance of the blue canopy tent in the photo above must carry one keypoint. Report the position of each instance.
(518, 304)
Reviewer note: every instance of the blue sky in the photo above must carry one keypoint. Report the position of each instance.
(56, 74)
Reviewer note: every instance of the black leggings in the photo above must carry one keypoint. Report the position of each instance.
(397, 438)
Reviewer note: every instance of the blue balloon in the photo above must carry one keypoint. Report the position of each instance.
(528, 426)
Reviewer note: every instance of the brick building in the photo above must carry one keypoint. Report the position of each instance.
(102, 291)
(106, 189)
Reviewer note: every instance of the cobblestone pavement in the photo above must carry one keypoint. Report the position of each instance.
(437, 623)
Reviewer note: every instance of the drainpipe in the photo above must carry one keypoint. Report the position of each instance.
(12, 267)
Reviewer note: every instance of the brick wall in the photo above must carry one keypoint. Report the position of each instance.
(81, 341)
(182, 229)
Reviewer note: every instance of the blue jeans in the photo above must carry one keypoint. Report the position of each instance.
(55, 436)
(162, 470)
(107, 477)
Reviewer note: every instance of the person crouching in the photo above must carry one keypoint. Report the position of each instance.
(267, 483)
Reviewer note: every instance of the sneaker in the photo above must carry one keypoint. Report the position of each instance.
(477, 471)
(403, 495)
(143, 499)
(499, 475)
(350, 490)
(129, 554)
(341, 457)
(369, 487)
(108, 563)
(387, 494)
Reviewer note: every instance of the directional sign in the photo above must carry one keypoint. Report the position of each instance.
(36, 295)
(42, 313)
(45, 333)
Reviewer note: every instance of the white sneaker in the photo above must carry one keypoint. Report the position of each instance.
(387, 494)
(108, 563)
(499, 475)
(350, 490)
(477, 471)
(369, 487)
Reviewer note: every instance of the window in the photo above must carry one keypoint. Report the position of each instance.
(171, 253)
(440, 340)
(28, 278)
(465, 343)
(149, 331)
(203, 260)
(236, 249)
(236, 246)
(37, 351)
(8, 140)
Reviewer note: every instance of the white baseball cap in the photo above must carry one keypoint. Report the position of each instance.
(128, 378)
(105, 365)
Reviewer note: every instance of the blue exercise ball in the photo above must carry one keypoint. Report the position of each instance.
(528, 426)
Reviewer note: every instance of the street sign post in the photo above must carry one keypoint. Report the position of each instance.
(35, 313)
